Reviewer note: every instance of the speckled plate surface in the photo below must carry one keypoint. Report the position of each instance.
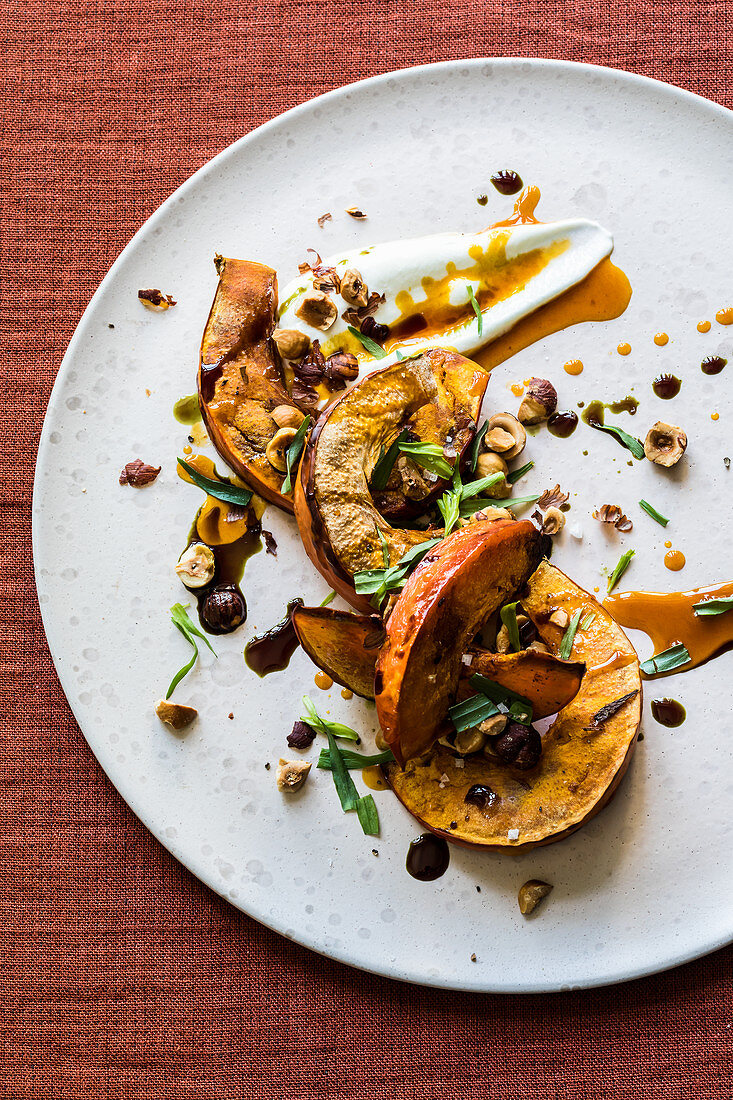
(645, 885)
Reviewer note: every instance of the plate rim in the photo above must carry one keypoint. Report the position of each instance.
(196, 867)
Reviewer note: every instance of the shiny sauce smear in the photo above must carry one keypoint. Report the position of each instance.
(669, 618)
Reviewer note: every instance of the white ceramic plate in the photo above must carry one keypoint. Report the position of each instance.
(645, 885)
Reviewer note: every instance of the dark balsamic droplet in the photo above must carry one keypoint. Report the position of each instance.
(562, 424)
(428, 857)
(668, 712)
(271, 652)
(713, 364)
(507, 182)
(666, 386)
(482, 200)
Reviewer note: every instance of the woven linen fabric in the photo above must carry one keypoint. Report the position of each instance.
(121, 976)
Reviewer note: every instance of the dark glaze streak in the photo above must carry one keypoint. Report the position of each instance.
(271, 652)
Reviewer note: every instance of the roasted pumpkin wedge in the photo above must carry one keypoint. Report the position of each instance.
(345, 646)
(337, 516)
(342, 644)
(585, 752)
(459, 583)
(548, 683)
(240, 379)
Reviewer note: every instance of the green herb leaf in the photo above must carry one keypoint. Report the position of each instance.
(382, 581)
(385, 549)
(708, 608)
(320, 725)
(327, 599)
(449, 506)
(430, 456)
(473, 488)
(386, 461)
(621, 567)
(371, 345)
(181, 620)
(629, 441)
(471, 711)
(293, 453)
(366, 810)
(508, 616)
(515, 475)
(566, 645)
(354, 760)
(476, 309)
(476, 445)
(667, 660)
(222, 490)
(342, 781)
(496, 692)
(654, 513)
(588, 620)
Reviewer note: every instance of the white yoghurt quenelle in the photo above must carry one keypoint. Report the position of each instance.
(429, 282)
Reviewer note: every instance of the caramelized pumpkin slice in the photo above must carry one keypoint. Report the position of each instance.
(337, 517)
(459, 583)
(342, 644)
(548, 683)
(584, 755)
(240, 378)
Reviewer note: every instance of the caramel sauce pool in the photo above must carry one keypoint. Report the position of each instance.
(668, 618)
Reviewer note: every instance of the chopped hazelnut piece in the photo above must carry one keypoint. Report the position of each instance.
(531, 894)
(355, 212)
(353, 288)
(155, 300)
(277, 449)
(560, 618)
(323, 219)
(175, 715)
(553, 521)
(138, 473)
(505, 435)
(665, 444)
(291, 774)
(287, 416)
(318, 310)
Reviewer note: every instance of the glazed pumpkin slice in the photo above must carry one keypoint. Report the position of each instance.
(338, 519)
(240, 379)
(345, 646)
(341, 644)
(459, 584)
(585, 752)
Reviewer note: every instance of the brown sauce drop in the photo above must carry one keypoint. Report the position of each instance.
(594, 413)
(271, 651)
(428, 857)
(562, 424)
(507, 182)
(666, 386)
(668, 712)
(668, 618)
(713, 364)
(627, 404)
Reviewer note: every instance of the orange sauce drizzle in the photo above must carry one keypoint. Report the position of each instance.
(675, 560)
(725, 316)
(524, 209)
(703, 326)
(660, 339)
(373, 778)
(323, 681)
(573, 366)
(218, 523)
(517, 389)
(714, 416)
(347, 693)
(624, 349)
(669, 618)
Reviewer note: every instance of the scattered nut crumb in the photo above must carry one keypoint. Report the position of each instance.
(552, 522)
(560, 618)
(552, 497)
(611, 513)
(473, 957)
(375, 852)
(292, 774)
(175, 715)
(317, 310)
(270, 543)
(267, 767)
(138, 473)
(531, 894)
(323, 219)
(155, 300)
(355, 212)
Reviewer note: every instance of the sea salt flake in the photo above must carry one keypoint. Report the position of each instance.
(513, 834)
(467, 659)
(459, 762)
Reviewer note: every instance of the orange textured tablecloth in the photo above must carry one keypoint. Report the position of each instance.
(120, 975)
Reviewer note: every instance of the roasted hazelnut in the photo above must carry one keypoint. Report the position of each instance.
(287, 416)
(290, 343)
(531, 894)
(560, 618)
(519, 745)
(223, 610)
(277, 449)
(492, 727)
(468, 741)
(489, 514)
(291, 774)
(317, 310)
(490, 463)
(505, 435)
(553, 521)
(538, 646)
(342, 366)
(414, 485)
(196, 566)
(665, 444)
(155, 300)
(539, 402)
(353, 288)
(175, 715)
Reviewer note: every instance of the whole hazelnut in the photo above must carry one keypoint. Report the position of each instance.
(353, 288)
(540, 401)
(519, 745)
(665, 444)
(342, 366)
(488, 464)
(317, 310)
(287, 416)
(290, 343)
(223, 610)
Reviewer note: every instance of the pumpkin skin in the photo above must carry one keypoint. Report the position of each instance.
(457, 586)
(337, 517)
(580, 766)
(240, 378)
